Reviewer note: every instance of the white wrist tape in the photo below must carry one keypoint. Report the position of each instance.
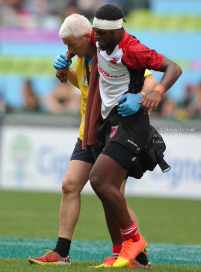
(143, 94)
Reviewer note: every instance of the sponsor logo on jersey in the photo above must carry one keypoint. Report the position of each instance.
(114, 61)
(106, 74)
(113, 131)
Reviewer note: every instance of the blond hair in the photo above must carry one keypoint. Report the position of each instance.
(76, 25)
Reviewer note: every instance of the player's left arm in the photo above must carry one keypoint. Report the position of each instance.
(172, 72)
(139, 56)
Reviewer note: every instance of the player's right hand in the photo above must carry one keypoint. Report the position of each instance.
(61, 61)
(150, 101)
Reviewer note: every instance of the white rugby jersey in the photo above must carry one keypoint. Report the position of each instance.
(123, 70)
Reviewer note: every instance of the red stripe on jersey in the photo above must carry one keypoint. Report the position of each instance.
(137, 55)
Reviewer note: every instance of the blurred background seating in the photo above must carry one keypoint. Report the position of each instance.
(63, 99)
(29, 42)
(30, 99)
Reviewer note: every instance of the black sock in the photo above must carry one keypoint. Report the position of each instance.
(63, 247)
(142, 258)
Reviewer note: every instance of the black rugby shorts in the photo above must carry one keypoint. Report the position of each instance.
(132, 131)
(80, 154)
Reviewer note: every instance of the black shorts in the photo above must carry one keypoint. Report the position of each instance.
(80, 154)
(119, 153)
(131, 131)
(91, 155)
(122, 138)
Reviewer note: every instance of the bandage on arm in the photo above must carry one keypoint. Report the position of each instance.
(159, 88)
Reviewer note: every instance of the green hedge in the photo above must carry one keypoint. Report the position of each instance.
(28, 66)
(146, 19)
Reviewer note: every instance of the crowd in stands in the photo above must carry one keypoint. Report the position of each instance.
(64, 99)
(50, 13)
(188, 108)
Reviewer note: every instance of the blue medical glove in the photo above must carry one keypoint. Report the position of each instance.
(61, 61)
(130, 104)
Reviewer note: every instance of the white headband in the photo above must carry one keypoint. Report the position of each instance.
(106, 24)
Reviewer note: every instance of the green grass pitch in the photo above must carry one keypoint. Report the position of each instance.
(168, 225)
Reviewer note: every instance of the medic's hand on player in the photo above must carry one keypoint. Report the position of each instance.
(129, 104)
(62, 65)
(150, 101)
(61, 61)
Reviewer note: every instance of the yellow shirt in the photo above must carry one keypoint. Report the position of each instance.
(147, 73)
(83, 86)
